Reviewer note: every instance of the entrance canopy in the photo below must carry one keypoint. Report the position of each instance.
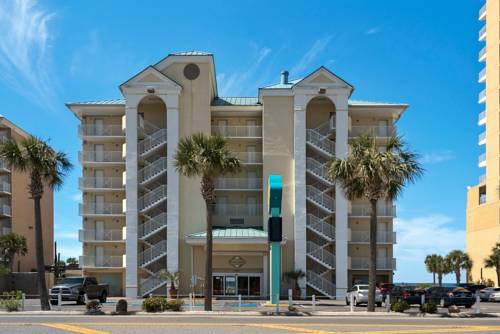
(230, 236)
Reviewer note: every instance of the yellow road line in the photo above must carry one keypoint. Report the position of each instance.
(74, 329)
(291, 329)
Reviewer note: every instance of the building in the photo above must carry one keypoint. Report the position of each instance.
(483, 200)
(140, 216)
(17, 208)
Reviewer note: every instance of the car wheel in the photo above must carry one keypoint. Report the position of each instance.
(346, 301)
(379, 304)
(468, 306)
(53, 302)
(80, 300)
(103, 297)
(356, 302)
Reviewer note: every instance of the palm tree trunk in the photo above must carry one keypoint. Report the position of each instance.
(434, 278)
(498, 276)
(372, 271)
(440, 279)
(457, 275)
(208, 261)
(40, 262)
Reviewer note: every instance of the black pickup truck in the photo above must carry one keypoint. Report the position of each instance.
(74, 289)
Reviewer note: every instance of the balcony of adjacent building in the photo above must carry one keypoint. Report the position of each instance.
(482, 13)
(482, 179)
(5, 187)
(102, 235)
(482, 34)
(481, 139)
(363, 263)
(108, 209)
(364, 210)
(482, 96)
(102, 261)
(482, 76)
(238, 184)
(363, 237)
(100, 132)
(482, 160)
(481, 119)
(238, 131)
(101, 158)
(238, 215)
(482, 55)
(4, 167)
(5, 210)
(377, 131)
(249, 157)
(101, 184)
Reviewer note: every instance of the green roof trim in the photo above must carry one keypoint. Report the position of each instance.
(373, 103)
(235, 101)
(232, 233)
(101, 102)
(192, 53)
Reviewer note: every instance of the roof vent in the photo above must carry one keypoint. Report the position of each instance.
(284, 77)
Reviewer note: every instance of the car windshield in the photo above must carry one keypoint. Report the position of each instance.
(72, 280)
(363, 287)
(496, 289)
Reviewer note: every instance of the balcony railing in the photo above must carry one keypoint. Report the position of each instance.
(482, 54)
(238, 210)
(364, 210)
(249, 157)
(5, 210)
(481, 139)
(101, 183)
(482, 76)
(106, 235)
(482, 96)
(101, 209)
(101, 157)
(482, 178)
(482, 160)
(482, 13)
(110, 130)
(381, 131)
(363, 263)
(238, 183)
(482, 34)
(4, 165)
(111, 261)
(245, 131)
(481, 118)
(5, 187)
(364, 236)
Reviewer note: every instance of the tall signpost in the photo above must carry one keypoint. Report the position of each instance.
(275, 191)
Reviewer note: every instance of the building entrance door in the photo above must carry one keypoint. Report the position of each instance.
(231, 284)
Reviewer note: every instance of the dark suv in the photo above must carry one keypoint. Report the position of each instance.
(446, 296)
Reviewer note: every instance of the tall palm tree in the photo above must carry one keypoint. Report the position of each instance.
(431, 266)
(10, 245)
(442, 268)
(206, 157)
(493, 260)
(375, 175)
(45, 168)
(458, 260)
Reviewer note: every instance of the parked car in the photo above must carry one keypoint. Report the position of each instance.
(74, 289)
(472, 287)
(494, 296)
(485, 293)
(446, 296)
(410, 294)
(359, 294)
(385, 288)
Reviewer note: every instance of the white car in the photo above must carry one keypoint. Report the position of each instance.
(485, 294)
(494, 296)
(359, 294)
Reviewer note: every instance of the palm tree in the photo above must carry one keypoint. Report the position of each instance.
(493, 261)
(458, 260)
(10, 245)
(206, 157)
(45, 168)
(174, 278)
(72, 261)
(431, 266)
(374, 175)
(442, 268)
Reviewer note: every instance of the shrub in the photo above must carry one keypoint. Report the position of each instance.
(154, 304)
(428, 308)
(175, 305)
(94, 307)
(121, 306)
(11, 300)
(400, 306)
(453, 309)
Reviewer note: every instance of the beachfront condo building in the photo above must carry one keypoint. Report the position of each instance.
(141, 217)
(483, 199)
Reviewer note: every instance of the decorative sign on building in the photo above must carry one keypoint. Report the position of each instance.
(237, 262)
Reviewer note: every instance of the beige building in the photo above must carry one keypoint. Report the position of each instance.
(17, 208)
(483, 200)
(140, 216)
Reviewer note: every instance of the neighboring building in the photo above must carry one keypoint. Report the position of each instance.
(17, 208)
(140, 216)
(483, 200)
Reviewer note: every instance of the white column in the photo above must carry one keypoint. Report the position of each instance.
(131, 284)
(172, 102)
(341, 203)
(265, 271)
(299, 152)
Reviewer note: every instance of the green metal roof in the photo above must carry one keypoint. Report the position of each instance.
(101, 102)
(235, 101)
(232, 233)
(372, 103)
(283, 86)
(192, 53)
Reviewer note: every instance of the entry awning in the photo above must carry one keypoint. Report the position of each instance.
(230, 236)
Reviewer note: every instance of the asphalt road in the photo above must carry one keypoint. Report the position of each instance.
(14, 324)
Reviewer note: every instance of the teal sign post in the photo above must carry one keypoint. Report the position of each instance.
(275, 191)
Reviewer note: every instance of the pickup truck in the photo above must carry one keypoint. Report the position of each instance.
(74, 289)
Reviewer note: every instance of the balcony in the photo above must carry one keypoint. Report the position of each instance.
(238, 210)
(101, 184)
(482, 76)
(482, 96)
(363, 263)
(101, 158)
(4, 167)
(249, 158)
(5, 188)
(5, 210)
(481, 139)
(109, 132)
(245, 131)
(482, 179)
(238, 184)
(377, 131)
(482, 13)
(363, 237)
(482, 55)
(101, 209)
(101, 236)
(364, 210)
(482, 160)
(482, 34)
(482, 118)
(110, 261)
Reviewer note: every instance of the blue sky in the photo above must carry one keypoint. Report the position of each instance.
(423, 53)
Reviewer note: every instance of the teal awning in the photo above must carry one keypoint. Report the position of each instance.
(245, 235)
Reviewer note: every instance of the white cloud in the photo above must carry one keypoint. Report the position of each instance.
(310, 56)
(372, 31)
(24, 46)
(437, 157)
